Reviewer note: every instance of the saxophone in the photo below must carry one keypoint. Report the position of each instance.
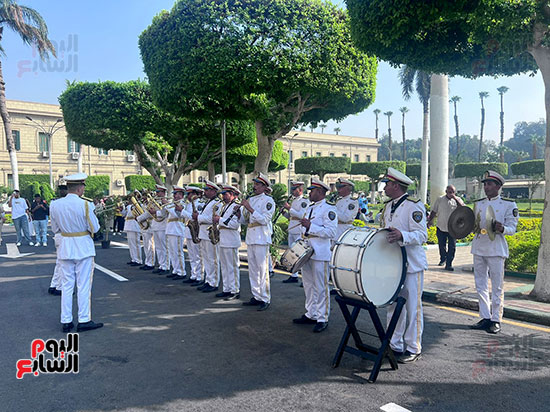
(193, 224)
(137, 211)
(214, 228)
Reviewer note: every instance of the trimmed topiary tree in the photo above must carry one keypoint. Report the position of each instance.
(97, 186)
(374, 170)
(478, 169)
(139, 182)
(322, 165)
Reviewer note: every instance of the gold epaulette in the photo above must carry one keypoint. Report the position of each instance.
(330, 202)
(413, 199)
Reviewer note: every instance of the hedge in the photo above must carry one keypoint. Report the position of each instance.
(375, 169)
(97, 186)
(361, 186)
(30, 184)
(528, 167)
(321, 165)
(524, 251)
(139, 182)
(478, 169)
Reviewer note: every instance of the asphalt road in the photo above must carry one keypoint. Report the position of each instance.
(168, 347)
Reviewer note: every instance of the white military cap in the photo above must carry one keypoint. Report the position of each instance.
(344, 181)
(77, 178)
(296, 183)
(229, 188)
(261, 178)
(393, 175)
(177, 189)
(494, 176)
(160, 187)
(193, 189)
(211, 185)
(318, 184)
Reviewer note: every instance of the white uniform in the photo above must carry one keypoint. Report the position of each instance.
(409, 216)
(489, 256)
(75, 220)
(159, 235)
(56, 281)
(194, 249)
(298, 210)
(258, 239)
(132, 229)
(209, 251)
(346, 208)
(148, 240)
(175, 232)
(230, 241)
(315, 273)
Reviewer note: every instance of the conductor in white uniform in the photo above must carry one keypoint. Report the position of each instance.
(75, 219)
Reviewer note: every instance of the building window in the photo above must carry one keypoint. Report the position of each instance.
(368, 158)
(10, 181)
(304, 154)
(43, 143)
(356, 158)
(103, 151)
(272, 181)
(72, 146)
(331, 155)
(318, 154)
(344, 155)
(290, 156)
(16, 139)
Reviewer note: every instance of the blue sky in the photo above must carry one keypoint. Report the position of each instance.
(106, 34)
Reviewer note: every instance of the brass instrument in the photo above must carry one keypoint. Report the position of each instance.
(87, 199)
(137, 211)
(175, 203)
(214, 228)
(193, 224)
(153, 204)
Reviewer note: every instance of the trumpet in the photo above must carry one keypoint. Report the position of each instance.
(175, 203)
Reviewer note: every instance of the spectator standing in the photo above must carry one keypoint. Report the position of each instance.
(20, 216)
(40, 211)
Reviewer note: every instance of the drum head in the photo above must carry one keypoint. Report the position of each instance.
(383, 269)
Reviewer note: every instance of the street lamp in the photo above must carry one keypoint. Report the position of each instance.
(49, 132)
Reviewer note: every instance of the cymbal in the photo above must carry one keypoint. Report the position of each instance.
(490, 221)
(461, 222)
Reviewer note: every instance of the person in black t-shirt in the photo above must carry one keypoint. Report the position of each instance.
(40, 211)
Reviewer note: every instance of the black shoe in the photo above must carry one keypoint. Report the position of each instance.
(134, 264)
(302, 284)
(223, 294)
(209, 289)
(409, 357)
(197, 283)
(483, 324)
(82, 327)
(397, 354)
(157, 271)
(319, 327)
(130, 262)
(178, 277)
(164, 272)
(291, 280)
(263, 306)
(203, 286)
(189, 280)
(67, 327)
(450, 268)
(304, 320)
(142, 267)
(494, 328)
(233, 296)
(441, 262)
(147, 267)
(54, 291)
(171, 275)
(333, 292)
(252, 302)
(271, 274)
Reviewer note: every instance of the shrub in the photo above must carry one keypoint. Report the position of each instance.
(97, 186)
(139, 182)
(529, 224)
(524, 250)
(30, 184)
(478, 169)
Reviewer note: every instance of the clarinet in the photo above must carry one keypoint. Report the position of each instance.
(309, 218)
(235, 210)
(281, 209)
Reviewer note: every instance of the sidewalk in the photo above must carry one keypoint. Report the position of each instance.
(458, 288)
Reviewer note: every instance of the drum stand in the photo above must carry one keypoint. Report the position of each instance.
(363, 350)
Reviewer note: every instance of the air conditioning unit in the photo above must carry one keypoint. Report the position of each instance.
(131, 158)
(45, 154)
(119, 182)
(75, 155)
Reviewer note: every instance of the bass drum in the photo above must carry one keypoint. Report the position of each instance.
(366, 267)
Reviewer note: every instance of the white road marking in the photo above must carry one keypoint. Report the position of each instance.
(393, 407)
(120, 245)
(13, 252)
(111, 273)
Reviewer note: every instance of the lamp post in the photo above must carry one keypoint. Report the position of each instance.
(49, 132)
(289, 161)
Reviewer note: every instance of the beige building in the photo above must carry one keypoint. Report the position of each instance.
(33, 152)
(31, 123)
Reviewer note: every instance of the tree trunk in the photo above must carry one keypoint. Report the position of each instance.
(373, 190)
(211, 171)
(321, 176)
(404, 148)
(439, 136)
(457, 135)
(265, 149)
(481, 131)
(242, 178)
(425, 154)
(501, 131)
(7, 127)
(541, 290)
(389, 143)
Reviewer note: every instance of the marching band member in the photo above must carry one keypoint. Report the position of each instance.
(148, 239)
(406, 220)
(55, 284)
(257, 215)
(230, 241)
(319, 227)
(194, 202)
(75, 219)
(295, 212)
(132, 229)
(159, 232)
(209, 251)
(175, 232)
(346, 207)
(490, 255)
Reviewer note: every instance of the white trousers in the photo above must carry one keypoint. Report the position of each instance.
(408, 332)
(194, 252)
(315, 278)
(56, 278)
(258, 272)
(211, 262)
(80, 271)
(149, 248)
(175, 251)
(135, 247)
(229, 262)
(293, 237)
(485, 268)
(160, 249)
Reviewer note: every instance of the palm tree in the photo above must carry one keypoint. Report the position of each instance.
(376, 113)
(482, 95)
(389, 130)
(32, 29)
(454, 100)
(322, 126)
(535, 140)
(501, 90)
(422, 85)
(403, 110)
(337, 130)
